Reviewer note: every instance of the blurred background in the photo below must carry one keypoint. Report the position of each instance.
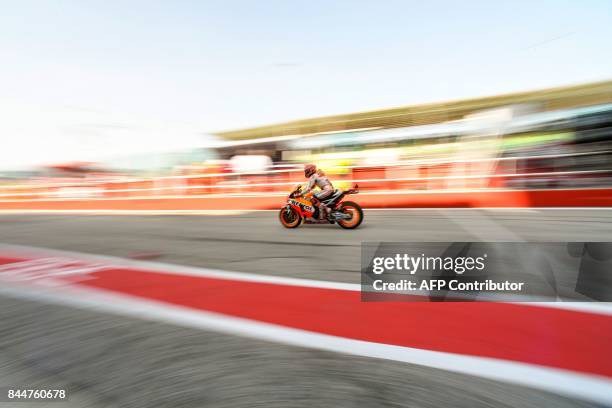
(559, 138)
(197, 99)
(146, 148)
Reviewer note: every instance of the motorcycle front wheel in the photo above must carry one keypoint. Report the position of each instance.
(289, 217)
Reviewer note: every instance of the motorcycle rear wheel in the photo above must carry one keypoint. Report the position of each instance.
(349, 207)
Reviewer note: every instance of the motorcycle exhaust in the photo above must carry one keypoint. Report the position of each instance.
(337, 215)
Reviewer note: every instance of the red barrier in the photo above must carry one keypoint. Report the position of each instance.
(442, 199)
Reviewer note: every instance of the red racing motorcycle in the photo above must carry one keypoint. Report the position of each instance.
(301, 209)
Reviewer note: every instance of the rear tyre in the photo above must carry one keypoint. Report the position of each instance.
(289, 217)
(354, 209)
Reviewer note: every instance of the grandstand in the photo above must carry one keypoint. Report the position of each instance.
(543, 100)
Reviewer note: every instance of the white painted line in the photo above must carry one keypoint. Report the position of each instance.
(37, 252)
(589, 387)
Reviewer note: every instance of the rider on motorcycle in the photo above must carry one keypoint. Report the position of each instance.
(318, 179)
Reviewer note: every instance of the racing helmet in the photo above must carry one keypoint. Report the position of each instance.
(309, 170)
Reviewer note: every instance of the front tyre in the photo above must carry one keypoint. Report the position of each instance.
(289, 217)
(356, 213)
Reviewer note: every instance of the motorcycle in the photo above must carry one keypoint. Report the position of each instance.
(300, 208)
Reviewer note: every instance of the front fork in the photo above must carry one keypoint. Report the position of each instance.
(288, 209)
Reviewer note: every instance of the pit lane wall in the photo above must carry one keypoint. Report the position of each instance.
(475, 183)
(499, 198)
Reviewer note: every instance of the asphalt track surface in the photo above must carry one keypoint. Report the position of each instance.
(108, 360)
(255, 242)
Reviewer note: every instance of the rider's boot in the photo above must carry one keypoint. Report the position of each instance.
(324, 212)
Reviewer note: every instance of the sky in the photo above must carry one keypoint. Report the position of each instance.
(86, 79)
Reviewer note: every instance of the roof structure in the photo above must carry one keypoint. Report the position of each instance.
(547, 100)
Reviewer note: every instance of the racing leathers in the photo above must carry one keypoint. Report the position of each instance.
(319, 179)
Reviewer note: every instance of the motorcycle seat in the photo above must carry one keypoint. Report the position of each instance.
(335, 195)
